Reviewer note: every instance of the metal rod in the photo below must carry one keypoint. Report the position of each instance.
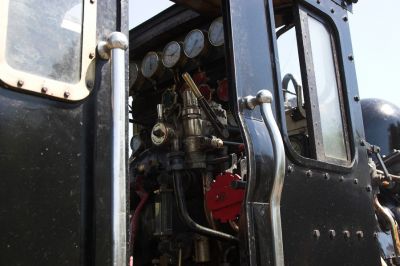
(115, 48)
(181, 203)
(393, 225)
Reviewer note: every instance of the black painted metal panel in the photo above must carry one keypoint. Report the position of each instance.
(55, 193)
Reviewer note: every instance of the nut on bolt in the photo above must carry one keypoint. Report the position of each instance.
(346, 234)
(360, 234)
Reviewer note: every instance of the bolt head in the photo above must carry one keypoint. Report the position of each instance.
(66, 94)
(326, 176)
(309, 173)
(357, 98)
(316, 233)
(91, 55)
(341, 178)
(346, 234)
(332, 234)
(44, 90)
(355, 181)
(360, 234)
(368, 188)
(345, 18)
(290, 169)
(350, 57)
(332, 10)
(20, 83)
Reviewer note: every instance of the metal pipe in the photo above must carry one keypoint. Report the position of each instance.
(181, 203)
(114, 48)
(393, 225)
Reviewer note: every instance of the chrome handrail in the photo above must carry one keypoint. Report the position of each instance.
(114, 48)
(264, 99)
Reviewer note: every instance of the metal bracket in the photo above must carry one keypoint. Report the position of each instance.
(264, 99)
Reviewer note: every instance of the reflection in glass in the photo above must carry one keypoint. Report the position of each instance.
(327, 90)
(44, 38)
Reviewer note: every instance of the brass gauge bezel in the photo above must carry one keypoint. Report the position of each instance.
(159, 70)
(211, 30)
(203, 50)
(177, 62)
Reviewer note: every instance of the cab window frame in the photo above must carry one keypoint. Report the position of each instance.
(21, 80)
(299, 11)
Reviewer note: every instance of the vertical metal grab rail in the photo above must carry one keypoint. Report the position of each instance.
(114, 49)
(264, 99)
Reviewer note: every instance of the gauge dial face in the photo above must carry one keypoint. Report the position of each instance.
(194, 43)
(216, 32)
(150, 64)
(133, 73)
(171, 54)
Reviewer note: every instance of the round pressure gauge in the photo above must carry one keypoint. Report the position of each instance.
(194, 43)
(172, 54)
(151, 65)
(216, 32)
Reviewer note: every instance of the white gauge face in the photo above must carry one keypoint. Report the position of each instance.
(194, 43)
(133, 73)
(216, 32)
(171, 54)
(150, 64)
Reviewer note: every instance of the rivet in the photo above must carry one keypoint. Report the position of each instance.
(44, 90)
(360, 234)
(332, 10)
(357, 98)
(368, 188)
(20, 83)
(309, 173)
(290, 169)
(355, 181)
(316, 233)
(346, 234)
(326, 176)
(341, 178)
(91, 55)
(345, 18)
(350, 57)
(332, 234)
(66, 94)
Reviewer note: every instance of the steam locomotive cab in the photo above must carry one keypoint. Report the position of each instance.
(223, 133)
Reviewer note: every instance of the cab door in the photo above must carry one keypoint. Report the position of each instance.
(325, 214)
(56, 132)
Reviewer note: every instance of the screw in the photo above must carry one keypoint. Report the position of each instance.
(346, 234)
(355, 181)
(44, 90)
(326, 175)
(360, 234)
(368, 188)
(357, 98)
(290, 169)
(350, 57)
(316, 233)
(345, 18)
(309, 173)
(20, 83)
(341, 178)
(66, 94)
(332, 234)
(91, 55)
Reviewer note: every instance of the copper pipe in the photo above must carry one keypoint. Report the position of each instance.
(393, 224)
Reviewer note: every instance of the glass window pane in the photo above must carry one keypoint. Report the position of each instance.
(44, 38)
(327, 90)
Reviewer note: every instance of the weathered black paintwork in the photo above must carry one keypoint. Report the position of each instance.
(382, 124)
(55, 192)
(329, 197)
